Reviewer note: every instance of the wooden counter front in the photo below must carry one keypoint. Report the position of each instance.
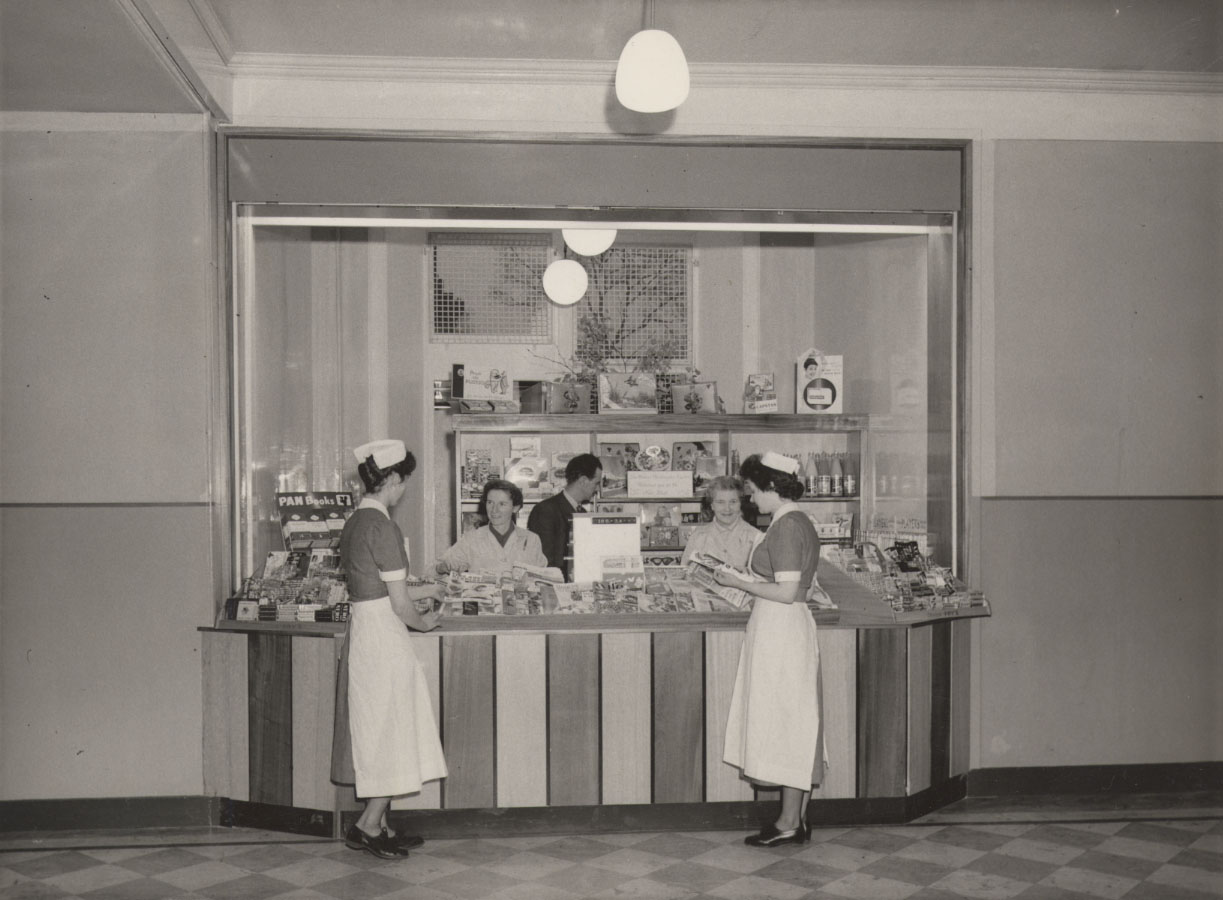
(612, 717)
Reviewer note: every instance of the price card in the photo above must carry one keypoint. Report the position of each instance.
(660, 484)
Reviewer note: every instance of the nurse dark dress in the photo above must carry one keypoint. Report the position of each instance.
(773, 728)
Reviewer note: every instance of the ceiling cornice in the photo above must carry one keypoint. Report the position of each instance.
(919, 78)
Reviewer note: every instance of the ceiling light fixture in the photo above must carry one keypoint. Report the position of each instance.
(588, 241)
(652, 74)
(565, 282)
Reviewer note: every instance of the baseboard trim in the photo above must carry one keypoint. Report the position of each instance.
(92, 813)
(270, 817)
(180, 812)
(1145, 778)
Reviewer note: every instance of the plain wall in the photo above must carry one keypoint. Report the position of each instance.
(105, 529)
(1098, 545)
(1101, 544)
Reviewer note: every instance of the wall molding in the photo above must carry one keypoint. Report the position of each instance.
(105, 122)
(435, 70)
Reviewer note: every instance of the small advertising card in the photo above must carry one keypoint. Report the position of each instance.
(482, 382)
(760, 396)
(819, 383)
(660, 484)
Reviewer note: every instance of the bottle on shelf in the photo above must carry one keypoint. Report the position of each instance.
(824, 469)
(851, 475)
(837, 476)
(810, 475)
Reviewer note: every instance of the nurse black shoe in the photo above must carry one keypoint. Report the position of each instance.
(406, 841)
(769, 836)
(378, 844)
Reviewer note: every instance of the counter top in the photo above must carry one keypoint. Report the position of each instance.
(851, 617)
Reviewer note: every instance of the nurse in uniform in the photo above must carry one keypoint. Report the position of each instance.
(773, 729)
(395, 745)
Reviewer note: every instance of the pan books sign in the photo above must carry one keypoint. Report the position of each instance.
(310, 519)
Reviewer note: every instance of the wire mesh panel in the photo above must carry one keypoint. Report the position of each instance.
(487, 287)
(638, 304)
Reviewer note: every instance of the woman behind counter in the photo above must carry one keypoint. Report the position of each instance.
(395, 745)
(498, 544)
(773, 728)
(727, 537)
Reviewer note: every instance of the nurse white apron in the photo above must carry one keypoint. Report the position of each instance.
(773, 727)
(395, 746)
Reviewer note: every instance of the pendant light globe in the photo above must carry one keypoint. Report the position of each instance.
(565, 281)
(652, 74)
(588, 241)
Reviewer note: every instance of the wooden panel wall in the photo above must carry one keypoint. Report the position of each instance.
(313, 714)
(533, 720)
(522, 720)
(722, 780)
(270, 718)
(468, 733)
(960, 699)
(679, 720)
(626, 718)
(919, 665)
(226, 719)
(838, 667)
(573, 719)
(882, 712)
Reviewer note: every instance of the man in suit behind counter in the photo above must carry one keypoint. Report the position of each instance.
(551, 519)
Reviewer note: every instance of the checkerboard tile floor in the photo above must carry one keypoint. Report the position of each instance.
(1145, 859)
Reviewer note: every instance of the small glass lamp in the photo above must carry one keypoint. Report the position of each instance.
(588, 241)
(565, 281)
(652, 75)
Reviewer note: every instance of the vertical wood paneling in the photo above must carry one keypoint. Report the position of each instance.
(428, 648)
(920, 647)
(574, 778)
(838, 668)
(313, 666)
(467, 721)
(626, 718)
(961, 695)
(940, 702)
(679, 728)
(270, 718)
(722, 780)
(882, 712)
(522, 720)
(226, 716)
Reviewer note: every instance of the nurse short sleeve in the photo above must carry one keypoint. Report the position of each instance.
(789, 551)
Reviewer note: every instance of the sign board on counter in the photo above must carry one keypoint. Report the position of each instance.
(660, 484)
(599, 536)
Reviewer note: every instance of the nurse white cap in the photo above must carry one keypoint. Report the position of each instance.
(779, 462)
(385, 453)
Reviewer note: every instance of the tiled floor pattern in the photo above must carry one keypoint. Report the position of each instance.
(1148, 859)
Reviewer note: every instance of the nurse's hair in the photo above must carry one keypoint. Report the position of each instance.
(787, 486)
(499, 484)
(375, 478)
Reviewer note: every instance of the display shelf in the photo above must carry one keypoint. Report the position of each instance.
(728, 436)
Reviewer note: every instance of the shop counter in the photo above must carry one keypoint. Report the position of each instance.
(591, 722)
